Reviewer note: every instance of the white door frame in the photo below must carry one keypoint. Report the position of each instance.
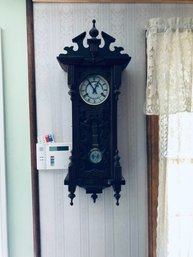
(3, 211)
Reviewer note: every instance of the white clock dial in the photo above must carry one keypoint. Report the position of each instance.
(94, 89)
(95, 155)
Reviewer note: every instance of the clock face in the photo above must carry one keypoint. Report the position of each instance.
(95, 155)
(94, 89)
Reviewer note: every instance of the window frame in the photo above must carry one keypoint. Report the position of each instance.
(153, 174)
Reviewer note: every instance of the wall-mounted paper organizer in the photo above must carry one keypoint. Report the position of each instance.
(53, 156)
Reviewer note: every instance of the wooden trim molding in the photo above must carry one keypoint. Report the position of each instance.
(33, 128)
(118, 1)
(153, 172)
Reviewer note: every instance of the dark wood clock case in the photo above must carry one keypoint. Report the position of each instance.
(94, 126)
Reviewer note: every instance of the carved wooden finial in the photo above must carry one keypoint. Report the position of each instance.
(93, 32)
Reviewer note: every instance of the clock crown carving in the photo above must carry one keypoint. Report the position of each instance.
(94, 80)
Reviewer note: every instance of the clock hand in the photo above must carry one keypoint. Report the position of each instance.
(90, 84)
(96, 85)
(93, 88)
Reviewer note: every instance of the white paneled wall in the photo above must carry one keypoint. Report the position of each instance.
(101, 229)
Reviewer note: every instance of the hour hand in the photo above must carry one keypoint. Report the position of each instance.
(96, 85)
(94, 90)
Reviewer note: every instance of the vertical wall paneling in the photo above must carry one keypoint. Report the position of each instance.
(3, 215)
(101, 229)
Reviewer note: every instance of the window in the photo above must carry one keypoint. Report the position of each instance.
(169, 95)
(178, 183)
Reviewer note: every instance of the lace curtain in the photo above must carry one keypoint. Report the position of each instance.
(169, 94)
(169, 66)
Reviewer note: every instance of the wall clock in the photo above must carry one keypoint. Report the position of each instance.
(94, 80)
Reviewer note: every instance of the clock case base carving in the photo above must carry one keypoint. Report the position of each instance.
(94, 126)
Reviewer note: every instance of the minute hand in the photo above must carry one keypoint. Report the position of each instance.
(93, 88)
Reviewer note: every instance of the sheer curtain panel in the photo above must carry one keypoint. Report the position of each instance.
(169, 65)
(169, 95)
